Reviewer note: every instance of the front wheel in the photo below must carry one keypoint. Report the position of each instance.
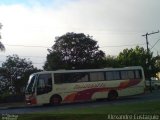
(55, 100)
(112, 95)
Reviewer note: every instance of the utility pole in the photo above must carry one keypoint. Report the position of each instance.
(148, 59)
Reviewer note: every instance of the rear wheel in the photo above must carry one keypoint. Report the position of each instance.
(55, 100)
(112, 95)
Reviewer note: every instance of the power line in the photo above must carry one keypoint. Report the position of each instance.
(38, 57)
(50, 47)
(33, 57)
(26, 46)
(32, 62)
(153, 47)
(122, 45)
(26, 56)
(155, 43)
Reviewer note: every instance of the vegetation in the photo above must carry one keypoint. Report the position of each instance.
(74, 51)
(15, 71)
(138, 57)
(135, 57)
(111, 61)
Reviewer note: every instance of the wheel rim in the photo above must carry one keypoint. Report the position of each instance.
(112, 96)
(55, 101)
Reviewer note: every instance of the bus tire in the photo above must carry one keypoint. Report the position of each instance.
(112, 95)
(55, 100)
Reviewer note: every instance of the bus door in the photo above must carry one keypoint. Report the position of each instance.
(44, 87)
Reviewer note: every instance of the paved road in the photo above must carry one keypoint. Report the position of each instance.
(23, 110)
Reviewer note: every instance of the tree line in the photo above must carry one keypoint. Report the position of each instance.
(73, 51)
(80, 51)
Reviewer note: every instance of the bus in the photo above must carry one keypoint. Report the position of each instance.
(67, 86)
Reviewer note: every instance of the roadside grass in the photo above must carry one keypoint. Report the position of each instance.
(96, 112)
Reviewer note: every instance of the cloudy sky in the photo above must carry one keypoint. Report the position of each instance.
(30, 26)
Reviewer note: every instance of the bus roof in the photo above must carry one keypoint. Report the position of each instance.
(91, 70)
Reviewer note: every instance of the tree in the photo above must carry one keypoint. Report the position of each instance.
(17, 70)
(74, 51)
(156, 61)
(2, 48)
(137, 57)
(111, 61)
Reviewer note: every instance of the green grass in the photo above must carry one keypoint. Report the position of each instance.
(96, 113)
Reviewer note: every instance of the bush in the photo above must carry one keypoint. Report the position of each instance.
(3, 96)
(6, 98)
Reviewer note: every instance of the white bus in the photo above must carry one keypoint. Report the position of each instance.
(67, 86)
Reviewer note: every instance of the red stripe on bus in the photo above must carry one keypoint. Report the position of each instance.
(88, 93)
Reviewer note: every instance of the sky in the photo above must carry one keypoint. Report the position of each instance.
(30, 26)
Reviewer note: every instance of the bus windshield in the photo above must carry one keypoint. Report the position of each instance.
(31, 84)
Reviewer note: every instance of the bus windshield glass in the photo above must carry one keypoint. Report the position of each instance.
(30, 85)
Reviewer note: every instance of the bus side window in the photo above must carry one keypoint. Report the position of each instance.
(124, 75)
(97, 76)
(131, 74)
(114, 75)
(82, 77)
(109, 76)
(70, 77)
(59, 78)
(138, 74)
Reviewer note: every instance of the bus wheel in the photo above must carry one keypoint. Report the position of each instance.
(112, 95)
(55, 100)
